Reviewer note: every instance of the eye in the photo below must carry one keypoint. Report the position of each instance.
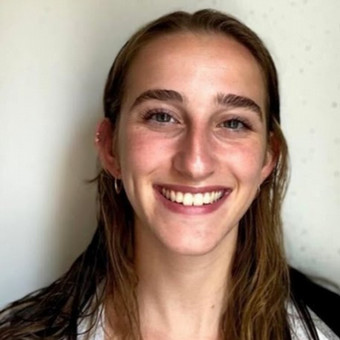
(235, 124)
(160, 117)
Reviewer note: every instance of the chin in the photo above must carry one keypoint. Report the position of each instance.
(190, 246)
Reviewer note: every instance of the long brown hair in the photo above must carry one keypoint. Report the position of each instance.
(256, 304)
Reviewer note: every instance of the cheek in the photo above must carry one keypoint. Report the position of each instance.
(141, 152)
(246, 160)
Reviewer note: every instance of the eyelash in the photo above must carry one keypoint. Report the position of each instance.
(153, 114)
(246, 125)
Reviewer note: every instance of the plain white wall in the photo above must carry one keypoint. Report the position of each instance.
(55, 55)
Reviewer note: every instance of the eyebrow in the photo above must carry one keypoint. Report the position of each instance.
(158, 94)
(233, 100)
(228, 100)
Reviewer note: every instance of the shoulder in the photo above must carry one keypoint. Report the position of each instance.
(91, 327)
(322, 304)
(298, 331)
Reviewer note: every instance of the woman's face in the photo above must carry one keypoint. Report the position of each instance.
(191, 144)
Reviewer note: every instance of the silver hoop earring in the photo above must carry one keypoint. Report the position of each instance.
(258, 191)
(118, 185)
(97, 139)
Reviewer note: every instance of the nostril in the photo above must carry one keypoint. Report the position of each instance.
(194, 165)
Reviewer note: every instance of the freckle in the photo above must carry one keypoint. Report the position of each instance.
(334, 105)
(301, 70)
(337, 173)
(312, 131)
(308, 47)
(337, 141)
(302, 248)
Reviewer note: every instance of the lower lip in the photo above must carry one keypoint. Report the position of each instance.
(191, 209)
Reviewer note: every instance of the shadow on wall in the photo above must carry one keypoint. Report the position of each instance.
(75, 206)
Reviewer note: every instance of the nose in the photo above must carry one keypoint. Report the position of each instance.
(194, 158)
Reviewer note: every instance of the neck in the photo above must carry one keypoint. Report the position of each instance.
(181, 296)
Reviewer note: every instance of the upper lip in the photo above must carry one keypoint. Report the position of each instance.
(193, 190)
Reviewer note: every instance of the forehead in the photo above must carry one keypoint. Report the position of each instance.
(182, 61)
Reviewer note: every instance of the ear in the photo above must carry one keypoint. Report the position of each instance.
(271, 157)
(105, 141)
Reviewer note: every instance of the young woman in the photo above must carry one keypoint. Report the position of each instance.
(194, 167)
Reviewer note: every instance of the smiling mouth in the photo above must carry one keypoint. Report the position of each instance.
(192, 199)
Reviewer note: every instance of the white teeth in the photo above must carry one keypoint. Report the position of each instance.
(189, 199)
(167, 194)
(206, 198)
(198, 199)
(173, 196)
(179, 197)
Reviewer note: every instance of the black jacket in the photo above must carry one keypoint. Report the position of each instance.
(324, 303)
